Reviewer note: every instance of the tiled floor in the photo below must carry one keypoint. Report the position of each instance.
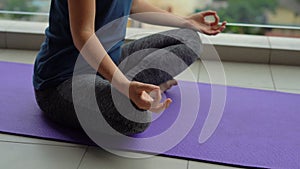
(21, 152)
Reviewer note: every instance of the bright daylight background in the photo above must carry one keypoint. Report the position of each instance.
(266, 17)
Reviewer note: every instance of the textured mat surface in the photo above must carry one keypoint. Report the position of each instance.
(258, 128)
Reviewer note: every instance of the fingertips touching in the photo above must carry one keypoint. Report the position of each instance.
(161, 106)
(217, 19)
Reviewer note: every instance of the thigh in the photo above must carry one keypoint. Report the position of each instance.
(164, 39)
(58, 104)
(160, 57)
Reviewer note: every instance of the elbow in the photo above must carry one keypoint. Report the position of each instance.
(80, 38)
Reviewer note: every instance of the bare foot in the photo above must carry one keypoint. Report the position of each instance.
(167, 85)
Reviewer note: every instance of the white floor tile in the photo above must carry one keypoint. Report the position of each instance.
(18, 56)
(21, 139)
(197, 165)
(237, 74)
(190, 74)
(97, 158)
(289, 91)
(17, 156)
(286, 77)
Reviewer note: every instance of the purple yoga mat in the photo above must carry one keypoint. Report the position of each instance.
(258, 128)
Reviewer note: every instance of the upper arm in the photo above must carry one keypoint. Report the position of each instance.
(82, 20)
(134, 6)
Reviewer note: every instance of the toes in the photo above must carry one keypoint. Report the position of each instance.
(163, 87)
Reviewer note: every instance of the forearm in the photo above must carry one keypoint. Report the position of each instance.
(144, 12)
(82, 25)
(85, 40)
(95, 54)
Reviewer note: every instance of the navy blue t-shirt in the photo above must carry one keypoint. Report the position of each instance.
(57, 57)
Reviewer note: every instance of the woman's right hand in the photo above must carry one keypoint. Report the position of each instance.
(147, 97)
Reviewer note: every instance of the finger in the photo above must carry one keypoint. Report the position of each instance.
(208, 13)
(158, 109)
(223, 26)
(148, 87)
(224, 23)
(215, 28)
(211, 32)
(161, 107)
(214, 32)
(209, 21)
(168, 103)
(208, 30)
(156, 96)
(217, 20)
(214, 14)
(145, 101)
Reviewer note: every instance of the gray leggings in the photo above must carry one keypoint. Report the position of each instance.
(153, 60)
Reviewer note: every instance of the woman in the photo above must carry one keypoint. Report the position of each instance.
(72, 31)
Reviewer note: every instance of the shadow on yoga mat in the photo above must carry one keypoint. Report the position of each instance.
(258, 128)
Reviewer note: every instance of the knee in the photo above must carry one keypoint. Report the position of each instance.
(135, 128)
(189, 34)
(126, 126)
(191, 39)
(185, 36)
(122, 118)
(129, 127)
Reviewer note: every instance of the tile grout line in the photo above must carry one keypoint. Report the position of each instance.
(270, 50)
(188, 164)
(41, 144)
(272, 76)
(86, 149)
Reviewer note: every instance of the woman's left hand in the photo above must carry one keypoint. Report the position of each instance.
(197, 22)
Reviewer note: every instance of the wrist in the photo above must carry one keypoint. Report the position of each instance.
(188, 23)
(122, 86)
(120, 82)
